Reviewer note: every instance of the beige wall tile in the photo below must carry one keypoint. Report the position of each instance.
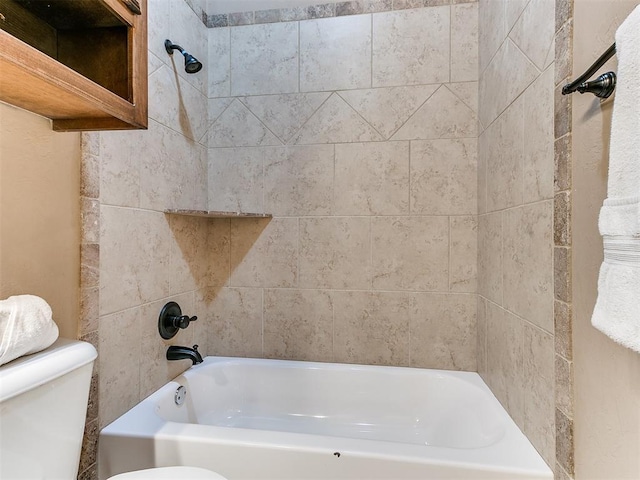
(219, 72)
(298, 180)
(264, 59)
(89, 175)
(444, 115)
(491, 30)
(188, 247)
(443, 332)
(410, 253)
(238, 127)
(120, 167)
(285, 114)
(172, 171)
(90, 143)
(505, 360)
(484, 148)
(230, 321)
(177, 104)
(264, 252)
(562, 113)
(387, 109)
(467, 92)
(335, 252)
(236, 179)
(89, 446)
(336, 122)
(463, 271)
(562, 219)
(335, 53)
(199, 252)
(565, 445)
(464, 42)
(372, 179)
(539, 380)
(216, 107)
(538, 141)
(89, 311)
(158, 20)
(563, 329)
(562, 274)
(411, 47)
(372, 328)
(444, 177)
(374, 6)
(90, 220)
(120, 357)
(490, 257)
(534, 31)
(481, 327)
(154, 64)
(528, 257)
(562, 163)
(298, 325)
(513, 10)
(563, 63)
(564, 384)
(135, 263)
(506, 77)
(505, 143)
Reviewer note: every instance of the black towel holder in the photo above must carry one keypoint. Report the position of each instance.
(601, 87)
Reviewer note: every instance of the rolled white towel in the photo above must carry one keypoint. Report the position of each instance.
(26, 326)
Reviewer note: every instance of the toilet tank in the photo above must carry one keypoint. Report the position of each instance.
(43, 404)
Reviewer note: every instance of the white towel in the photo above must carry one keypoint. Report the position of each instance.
(26, 326)
(617, 310)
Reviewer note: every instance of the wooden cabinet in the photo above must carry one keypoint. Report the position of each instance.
(82, 63)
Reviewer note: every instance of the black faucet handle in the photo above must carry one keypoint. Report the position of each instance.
(171, 320)
(183, 321)
(195, 348)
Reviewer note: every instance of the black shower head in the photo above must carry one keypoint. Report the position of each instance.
(191, 64)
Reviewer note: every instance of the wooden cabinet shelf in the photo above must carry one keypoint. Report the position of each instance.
(216, 214)
(82, 63)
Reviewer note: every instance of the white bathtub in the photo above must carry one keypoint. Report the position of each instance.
(272, 419)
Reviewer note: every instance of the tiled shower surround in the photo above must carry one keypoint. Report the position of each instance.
(516, 212)
(359, 134)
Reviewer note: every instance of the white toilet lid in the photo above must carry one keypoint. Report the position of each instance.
(170, 473)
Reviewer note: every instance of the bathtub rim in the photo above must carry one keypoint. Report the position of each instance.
(142, 420)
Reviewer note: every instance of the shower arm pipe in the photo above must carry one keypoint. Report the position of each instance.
(573, 86)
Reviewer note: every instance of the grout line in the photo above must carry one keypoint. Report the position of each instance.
(410, 176)
(371, 52)
(262, 318)
(299, 56)
(450, 41)
(298, 255)
(230, 69)
(449, 255)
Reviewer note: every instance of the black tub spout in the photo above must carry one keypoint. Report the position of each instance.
(176, 352)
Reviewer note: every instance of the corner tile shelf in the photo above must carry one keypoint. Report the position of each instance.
(216, 214)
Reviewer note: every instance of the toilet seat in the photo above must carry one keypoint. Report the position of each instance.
(170, 473)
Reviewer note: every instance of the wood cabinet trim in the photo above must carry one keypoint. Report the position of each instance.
(34, 81)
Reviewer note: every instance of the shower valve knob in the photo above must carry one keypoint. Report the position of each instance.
(182, 321)
(171, 320)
